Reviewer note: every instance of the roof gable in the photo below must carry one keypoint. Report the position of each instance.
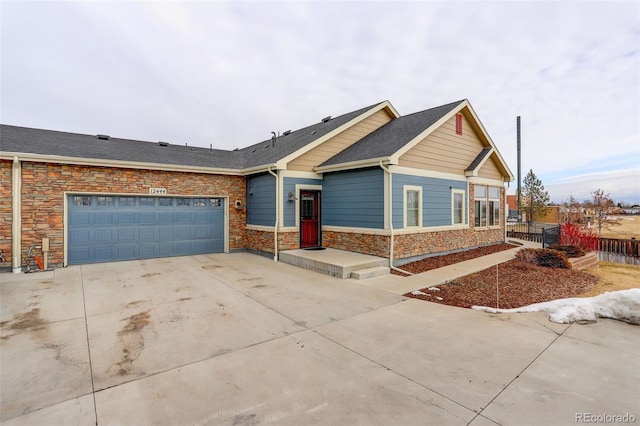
(392, 137)
(399, 136)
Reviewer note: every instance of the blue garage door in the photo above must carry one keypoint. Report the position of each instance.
(105, 228)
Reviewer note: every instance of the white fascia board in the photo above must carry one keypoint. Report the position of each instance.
(399, 153)
(258, 169)
(41, 158)
(371, 162)
(299, 174)
(425, 173)
(491, 143)
(485, 181)
(282, 163)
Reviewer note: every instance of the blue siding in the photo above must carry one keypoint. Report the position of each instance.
(354, 198)
(436, 199)
(261, 200)
(289, 185)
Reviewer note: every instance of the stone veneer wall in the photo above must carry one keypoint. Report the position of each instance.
(262, 241)
(375, 245)
(44, 184)
(6, 217)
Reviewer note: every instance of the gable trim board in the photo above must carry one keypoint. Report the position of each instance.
(282, 163)
(270, 220)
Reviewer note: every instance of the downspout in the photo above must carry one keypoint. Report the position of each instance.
(390, 212)
(275, 227)
(16, 220)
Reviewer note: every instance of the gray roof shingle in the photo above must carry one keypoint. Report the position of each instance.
(51, 142)
(389, 138)
(265, 153)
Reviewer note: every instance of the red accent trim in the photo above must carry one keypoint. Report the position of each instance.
(458, 124)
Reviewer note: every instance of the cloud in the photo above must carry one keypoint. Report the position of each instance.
(622, 185)
(229, 73)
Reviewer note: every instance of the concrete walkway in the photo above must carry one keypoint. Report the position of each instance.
(241, 340)
(403, 285)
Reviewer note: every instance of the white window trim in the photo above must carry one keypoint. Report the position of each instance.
(453, 206)
(407, 188)
(487, 199)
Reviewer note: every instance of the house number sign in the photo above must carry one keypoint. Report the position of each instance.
(158, 191)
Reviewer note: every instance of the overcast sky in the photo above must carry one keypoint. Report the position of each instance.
(229, 73)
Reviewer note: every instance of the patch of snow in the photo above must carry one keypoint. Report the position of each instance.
(419, 293)
(433, 289)
(439, 298)
(623, 305)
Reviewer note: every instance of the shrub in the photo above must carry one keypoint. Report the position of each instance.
(570, 250)
(544, 257)
(572, 234)
(552, 259)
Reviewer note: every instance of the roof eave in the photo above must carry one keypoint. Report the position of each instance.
(60, 159)
(371, 162)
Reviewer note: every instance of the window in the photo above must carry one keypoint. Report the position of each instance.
(412, 206)
(147, 201)
(105, 201)
(126, 201)
(486, 205)
(199, 202)
(81, 200)
(215, 202)
(165, 202)
(458, 124)
(494, 206)
(182, 202)
(457, 207)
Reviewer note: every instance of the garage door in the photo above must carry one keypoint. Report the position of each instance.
(104, 228)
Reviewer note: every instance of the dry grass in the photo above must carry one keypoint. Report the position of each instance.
(629, 227)
(613, 277)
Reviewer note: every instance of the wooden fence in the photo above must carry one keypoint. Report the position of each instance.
(619, 251)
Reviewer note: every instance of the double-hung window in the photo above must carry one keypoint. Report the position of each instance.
(486, 206)
(457, 207)
(494, 206)
(412, 206)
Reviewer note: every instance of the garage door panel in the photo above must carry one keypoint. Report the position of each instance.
(143, 227)
(146, 233)
(103, 253)
(126, 234)
(80, 218)
(103, 235)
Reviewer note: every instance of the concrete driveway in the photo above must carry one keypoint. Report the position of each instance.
(240, 340)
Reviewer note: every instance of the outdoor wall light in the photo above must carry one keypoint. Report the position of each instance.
(238, 204)
(292, 196)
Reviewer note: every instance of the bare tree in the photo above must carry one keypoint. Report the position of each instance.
(602, 206)
(571, 211)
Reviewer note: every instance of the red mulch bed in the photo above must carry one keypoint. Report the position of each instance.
(435, 262)
(519, 284)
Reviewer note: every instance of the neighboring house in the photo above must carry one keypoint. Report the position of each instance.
(370, 181)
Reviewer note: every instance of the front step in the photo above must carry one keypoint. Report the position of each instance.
(337, 263)
(363, 274)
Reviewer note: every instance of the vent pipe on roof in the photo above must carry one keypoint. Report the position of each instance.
(161, 143)
(286, 132)
(273, 138)
(103, 137)
(326, 119)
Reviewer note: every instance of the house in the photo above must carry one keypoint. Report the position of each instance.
(370, 181)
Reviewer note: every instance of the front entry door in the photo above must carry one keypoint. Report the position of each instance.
(309, 219)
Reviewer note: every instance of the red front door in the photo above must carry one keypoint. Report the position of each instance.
(309, 219)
